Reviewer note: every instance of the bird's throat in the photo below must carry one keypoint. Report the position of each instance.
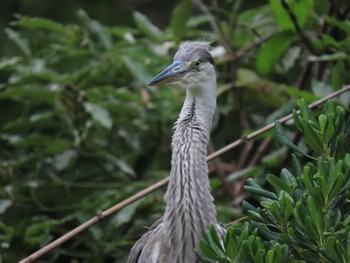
(190, 209)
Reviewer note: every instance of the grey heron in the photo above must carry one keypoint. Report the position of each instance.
(189, 204)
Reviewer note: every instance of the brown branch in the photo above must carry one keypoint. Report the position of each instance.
(245, 155)
(271, 125)
(243, 51)
(259, 154)
(94, 220)
(163, 182)
(236, 221)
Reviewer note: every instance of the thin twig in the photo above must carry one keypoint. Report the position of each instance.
(236, 221)
(163, 182)
(271, 125)
(242, 52)
(215, 27)
(297, 27)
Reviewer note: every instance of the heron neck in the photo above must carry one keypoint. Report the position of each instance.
(190, 209)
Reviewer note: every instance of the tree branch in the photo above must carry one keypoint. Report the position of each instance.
(215, 27)
(163, 182)
(297, 27)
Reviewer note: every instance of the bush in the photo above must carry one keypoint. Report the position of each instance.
(81, 130)
(305, 216)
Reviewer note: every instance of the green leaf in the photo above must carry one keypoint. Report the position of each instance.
(288, 178)
(272, 50)
(343, 25)
(99, 114)
(339, 118)
(202, 257)
(259, 256)
(215, 237)
(305, 111)
(300, 9)
(102, 33)
(270, 256)
(307, 179)
(297, 121)
(138, 69)
(41, 23)
(179, 18)
(278, 184)
(231, 245)
(314, 213)
(338, 75)
(63, 160)
(125, 215)
(249, 172)
(21, 42)
(29, 94)
(329, 129)
(297, 93)
(331, 249)
(214, 242)
(146, 27)
(282, 137)
(4, 204)
(9, 63)
(296, 167)
(208, 251)
(260, 193)
(312, 137)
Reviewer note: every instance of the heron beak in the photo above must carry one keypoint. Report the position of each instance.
(170, 74)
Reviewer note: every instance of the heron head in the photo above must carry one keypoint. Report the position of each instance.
(192, 67)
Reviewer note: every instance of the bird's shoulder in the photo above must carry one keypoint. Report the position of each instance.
(145, 250)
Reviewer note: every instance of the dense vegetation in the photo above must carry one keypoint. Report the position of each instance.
(80, 130)
(305, 217)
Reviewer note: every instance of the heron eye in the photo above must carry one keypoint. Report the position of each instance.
(197, 63)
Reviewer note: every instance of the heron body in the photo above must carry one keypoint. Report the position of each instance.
(189, 204)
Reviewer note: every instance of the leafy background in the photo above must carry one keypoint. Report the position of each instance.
(81, 130)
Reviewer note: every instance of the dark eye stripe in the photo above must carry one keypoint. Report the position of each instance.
(211, 60)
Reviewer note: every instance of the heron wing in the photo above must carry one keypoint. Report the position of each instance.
(144, 250)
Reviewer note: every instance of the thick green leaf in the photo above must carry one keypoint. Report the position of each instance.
(259, 192)
(230, 245)
(99, 114)
(312, 137)
(338, 75)
(305, 111)
(282, 137)
(147, 27)
(208, 251)
(288, 178)
(215, 237)
(300, 9)
(297, 93)
(179, 18)
(343, 25)
(272, 50)
(41, 23)
(278, 184)
(20, 42)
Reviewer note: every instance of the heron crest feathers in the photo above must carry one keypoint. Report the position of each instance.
(193, 51)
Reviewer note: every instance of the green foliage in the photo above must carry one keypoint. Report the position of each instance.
(305, 214)
(325, 135)
(80, 130)
(241, 244)
(73, 134)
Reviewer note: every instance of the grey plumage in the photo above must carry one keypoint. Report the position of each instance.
(189, 204)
